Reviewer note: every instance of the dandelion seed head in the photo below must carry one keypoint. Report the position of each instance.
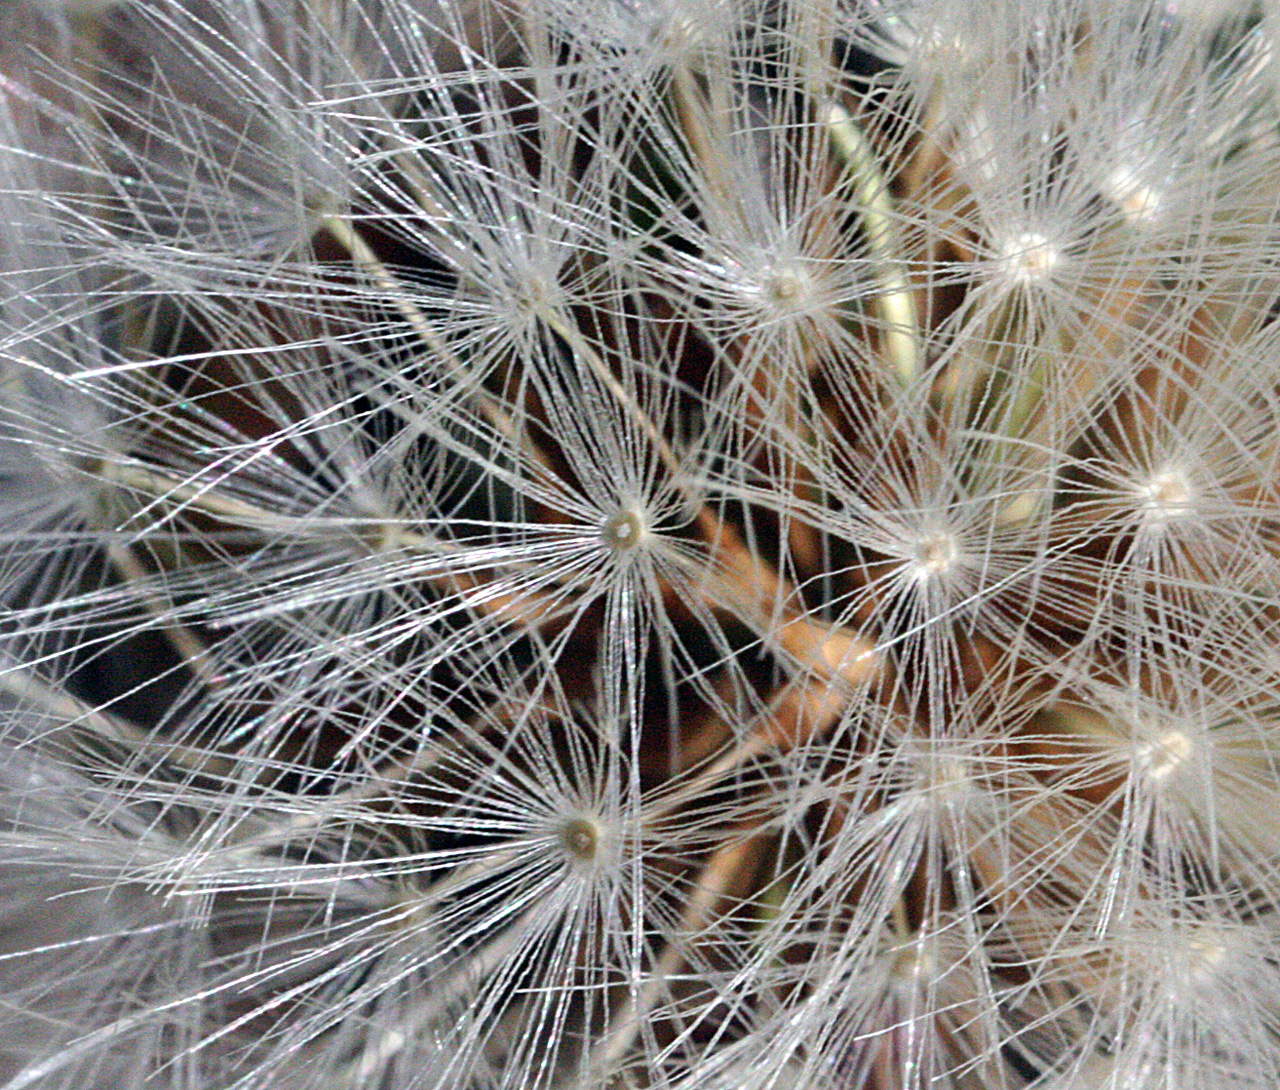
(694, 543)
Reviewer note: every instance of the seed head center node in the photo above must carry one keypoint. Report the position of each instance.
(787, 288)
(1030, 257)
(935, 555)
(1207, 952)
(950, 781)
(913, 965)
(1162, 757)
(1168, 494)
(580, 838)
(1138, 201)
(624, 531)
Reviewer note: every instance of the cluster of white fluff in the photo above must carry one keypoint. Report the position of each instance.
(635, 544)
